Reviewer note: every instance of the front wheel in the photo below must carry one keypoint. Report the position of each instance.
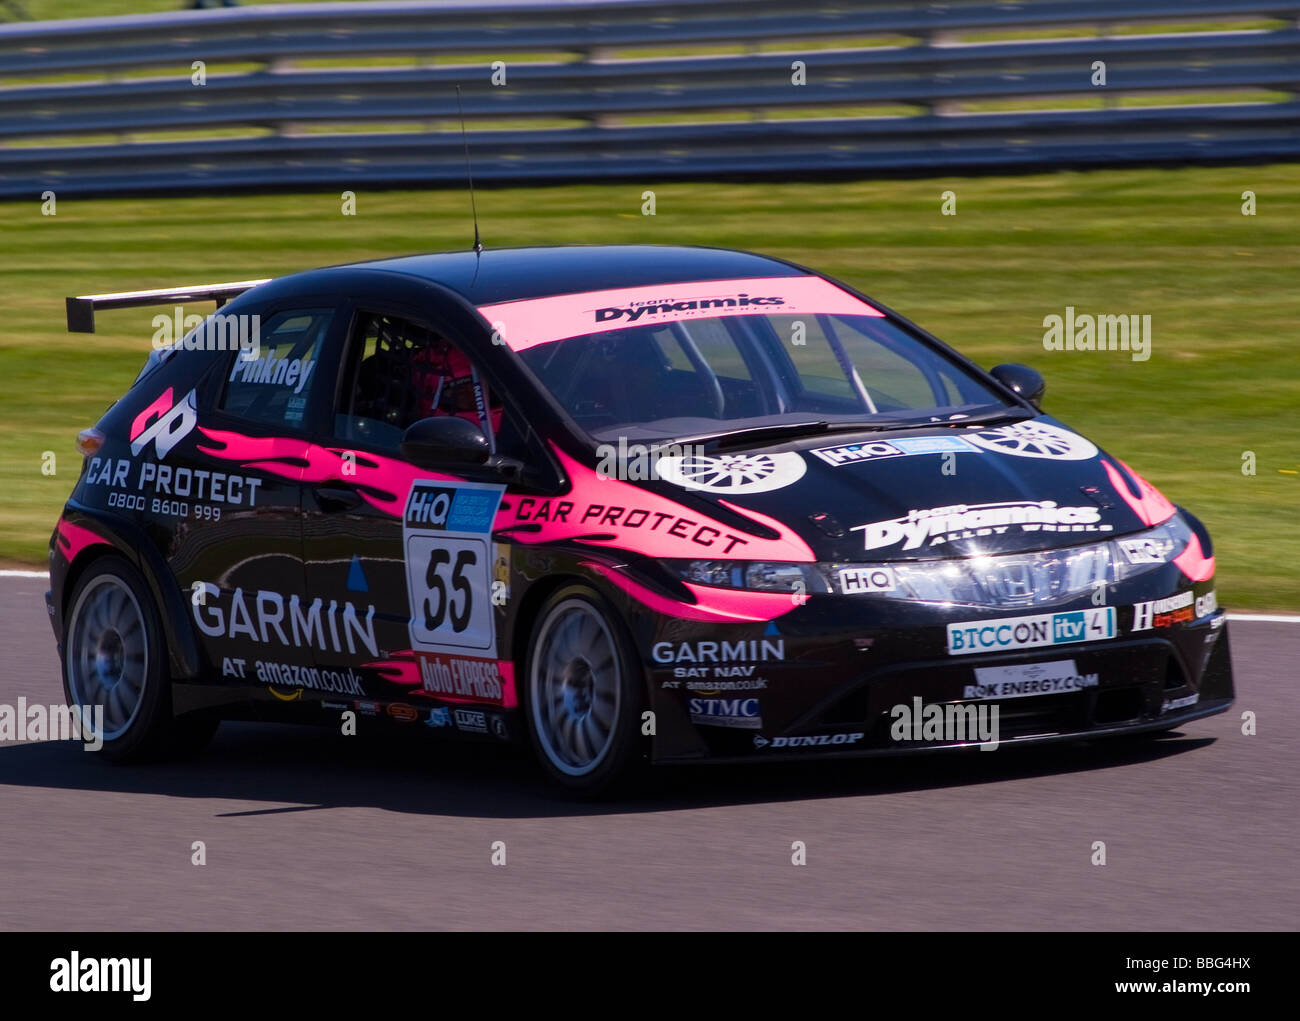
(584, 696)
(114, 662)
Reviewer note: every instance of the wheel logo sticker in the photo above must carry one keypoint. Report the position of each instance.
(733, 474)
(1034, 439)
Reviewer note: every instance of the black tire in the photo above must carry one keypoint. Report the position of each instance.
(563, 694)
(114, 656)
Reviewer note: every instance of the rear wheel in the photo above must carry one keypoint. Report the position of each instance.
(114, 657)
(584, 696)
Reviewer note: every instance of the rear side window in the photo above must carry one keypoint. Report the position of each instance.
(274, 386)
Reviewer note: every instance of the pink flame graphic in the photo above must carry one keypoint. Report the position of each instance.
(665, 528)
(399, 668)
(726, 606)
(402, 668)
(383, 482)
(1152, 507)
(1194, 563)
(73, 539)
(1148, 503)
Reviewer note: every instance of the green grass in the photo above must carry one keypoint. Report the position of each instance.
(1224, 377)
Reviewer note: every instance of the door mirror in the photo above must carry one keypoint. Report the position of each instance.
(1027, 382)
(444, 440)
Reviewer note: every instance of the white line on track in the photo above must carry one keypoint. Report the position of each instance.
(1263, 618)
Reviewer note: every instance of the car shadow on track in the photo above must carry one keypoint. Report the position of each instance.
(294, 769)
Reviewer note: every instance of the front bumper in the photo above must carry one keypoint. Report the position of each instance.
(838, 697)
(1166, 722)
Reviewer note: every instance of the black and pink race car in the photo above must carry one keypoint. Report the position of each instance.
(632, 504)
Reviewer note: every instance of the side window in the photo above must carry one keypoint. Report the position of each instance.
(273, 387)
(400, 372)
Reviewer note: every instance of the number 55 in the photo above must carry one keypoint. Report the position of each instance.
(459, 583)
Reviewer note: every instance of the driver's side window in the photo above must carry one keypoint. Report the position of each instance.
(399, 372)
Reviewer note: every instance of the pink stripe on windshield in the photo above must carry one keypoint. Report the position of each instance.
(525, 324)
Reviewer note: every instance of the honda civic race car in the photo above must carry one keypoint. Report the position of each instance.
(629, 504)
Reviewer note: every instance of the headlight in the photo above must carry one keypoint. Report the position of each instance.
(1139, 553)
(761, 576)
(1013, 579)
(1009, 579)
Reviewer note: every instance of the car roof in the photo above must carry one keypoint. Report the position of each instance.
(512, 274)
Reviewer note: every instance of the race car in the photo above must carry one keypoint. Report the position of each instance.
(631, 504)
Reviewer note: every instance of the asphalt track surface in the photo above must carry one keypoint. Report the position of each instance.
(306, 829)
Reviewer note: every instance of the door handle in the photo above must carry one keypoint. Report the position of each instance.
(337, 498)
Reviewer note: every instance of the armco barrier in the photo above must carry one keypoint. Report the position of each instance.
(572, 97)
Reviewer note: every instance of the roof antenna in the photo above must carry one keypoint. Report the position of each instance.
(478, 244)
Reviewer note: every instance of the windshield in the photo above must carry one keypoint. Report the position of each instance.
(695, 359)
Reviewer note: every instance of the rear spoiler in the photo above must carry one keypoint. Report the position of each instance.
(81, 310)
